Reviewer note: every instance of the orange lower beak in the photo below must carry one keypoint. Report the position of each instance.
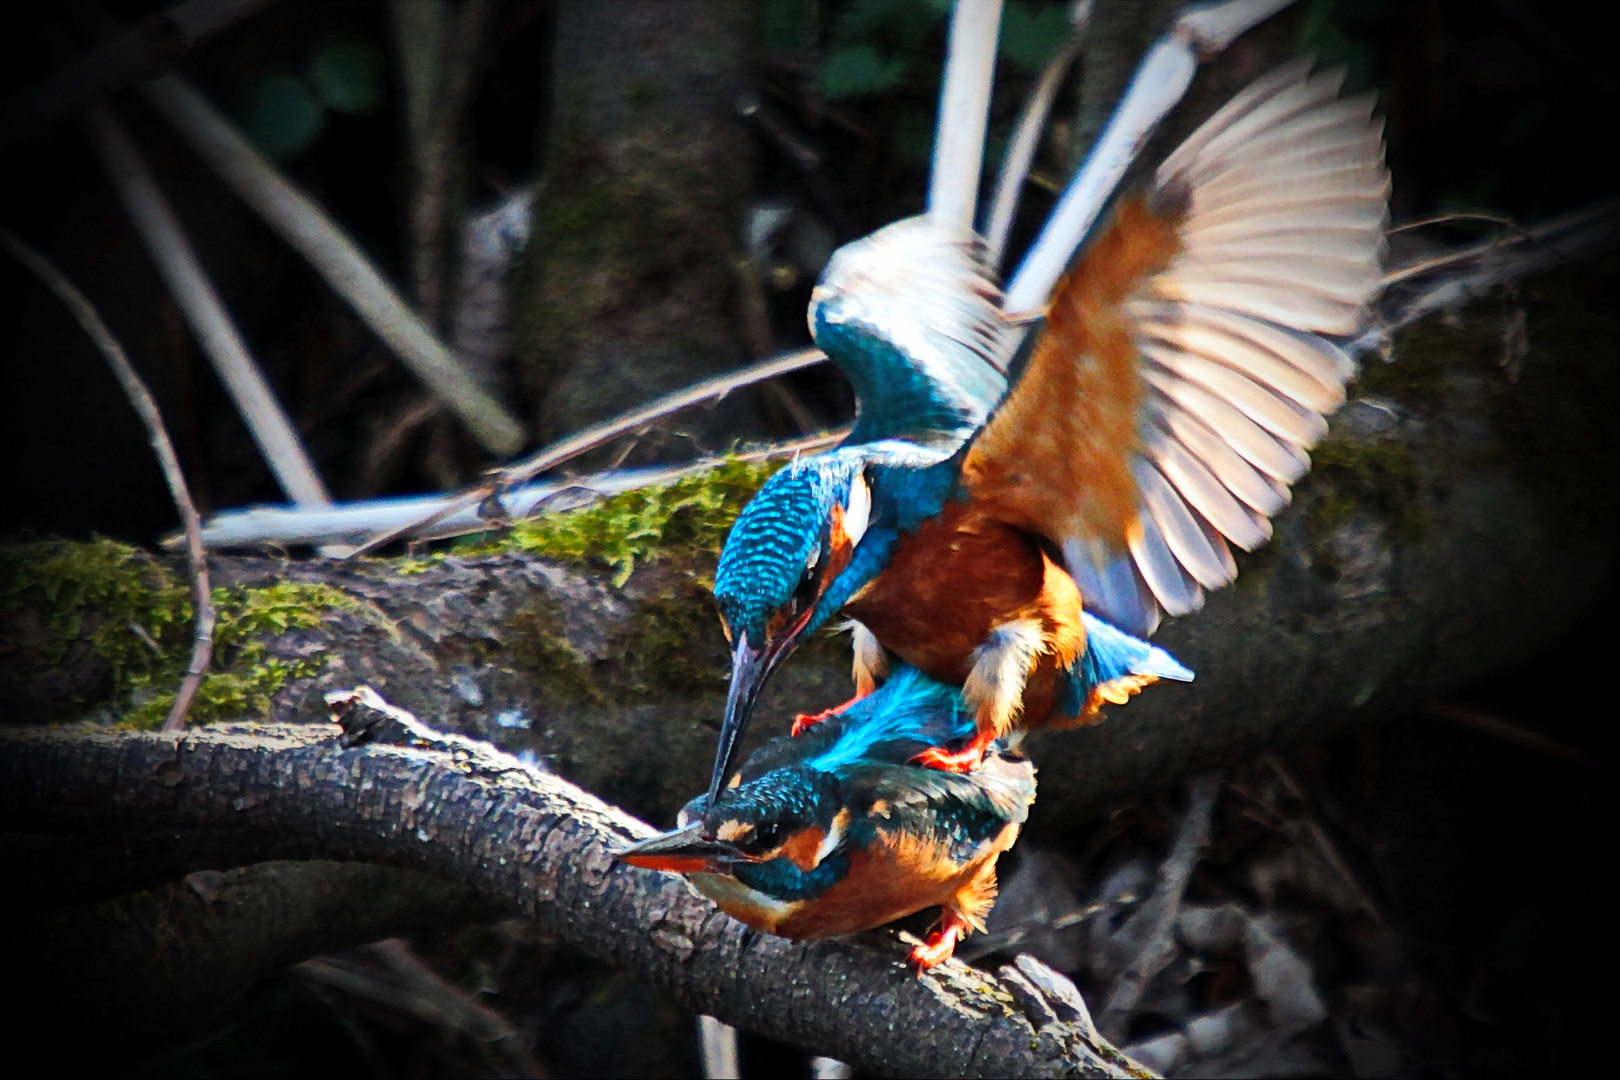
(670, 864)
(684, 851)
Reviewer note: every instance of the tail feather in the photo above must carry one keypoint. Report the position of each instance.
(1115, 666)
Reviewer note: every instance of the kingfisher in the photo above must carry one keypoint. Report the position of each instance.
(985, 517)
(837, 830)
(834, 832)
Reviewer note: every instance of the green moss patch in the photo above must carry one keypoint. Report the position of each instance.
(134, 614)
(686, 519)
(1552, 418)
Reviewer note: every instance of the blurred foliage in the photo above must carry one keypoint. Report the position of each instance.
(283, 115)
(136, 615)
(348, 78)
(877, 47)
(1343, 32)
(280, 115)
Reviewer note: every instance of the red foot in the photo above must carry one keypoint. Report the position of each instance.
(941, 944)
(805, 721)
(965, 760)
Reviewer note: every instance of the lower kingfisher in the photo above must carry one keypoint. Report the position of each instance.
(834, 832)
(989, 534)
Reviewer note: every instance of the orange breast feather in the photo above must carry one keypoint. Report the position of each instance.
(894, 877)
(1054, 457)
(950, 583)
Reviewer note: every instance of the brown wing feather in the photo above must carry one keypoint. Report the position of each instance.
(1188, 361)
(1055, 457)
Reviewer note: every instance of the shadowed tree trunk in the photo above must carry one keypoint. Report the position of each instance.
(631, 271)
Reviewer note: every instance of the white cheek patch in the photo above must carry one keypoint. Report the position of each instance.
(858, 511)
(834, 836)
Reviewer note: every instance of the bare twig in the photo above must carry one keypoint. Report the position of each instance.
(1460, 215)
(435, 517)
(1514, 733)
(596, 435)
(1015, 167)
(156, 42)
(1319, 840)
(1454, 277)
(202, 647)
(390, 974)
(193, 293)
(1151, 930)
(1577, 230)
(306, 225)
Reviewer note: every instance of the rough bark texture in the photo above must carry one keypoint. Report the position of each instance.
(630, 273)
(514, 837)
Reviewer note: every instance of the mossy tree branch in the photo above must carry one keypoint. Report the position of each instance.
(532, 844)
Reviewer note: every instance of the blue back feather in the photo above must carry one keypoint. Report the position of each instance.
(898, 397)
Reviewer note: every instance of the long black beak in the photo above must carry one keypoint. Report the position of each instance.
(684, 851)
(749, 670)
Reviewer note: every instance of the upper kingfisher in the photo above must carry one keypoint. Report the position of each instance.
(834, 832)
(1186, 364)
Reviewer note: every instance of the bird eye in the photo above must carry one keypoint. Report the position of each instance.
(807, 587)
(768, 836)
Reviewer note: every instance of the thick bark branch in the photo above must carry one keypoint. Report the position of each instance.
(145, 971)
(537, 846)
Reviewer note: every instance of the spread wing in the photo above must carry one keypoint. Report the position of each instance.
(912, 315)
(1189, 357)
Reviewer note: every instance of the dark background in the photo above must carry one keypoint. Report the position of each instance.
(1490, 856)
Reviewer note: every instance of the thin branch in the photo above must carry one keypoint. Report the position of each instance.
(1316, 836)
(436, 517)
(306, 225)
(1459, 215)
(1577, 230)
(193, 293)
(1454, 277)
(1152, 928)
(1026, 138)
(202, 646)
(1514, 733)
(158, 41)
(596, 435)
(964, 112)
(541, 848)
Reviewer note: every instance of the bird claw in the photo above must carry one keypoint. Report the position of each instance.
(805, 721)
(940, 947)
(965, 760)
(928, 956)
